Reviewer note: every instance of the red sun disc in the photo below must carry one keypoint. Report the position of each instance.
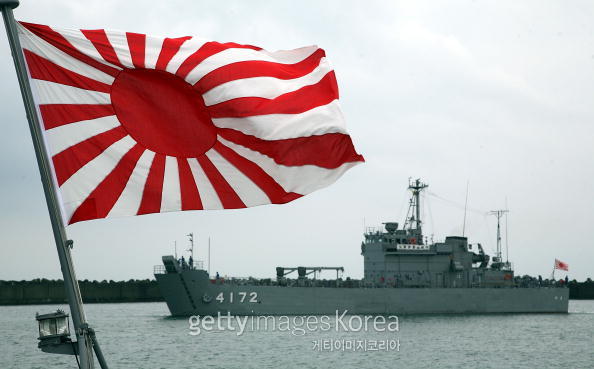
(163, 113)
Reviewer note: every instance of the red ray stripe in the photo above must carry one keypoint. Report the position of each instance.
(55, 115)
(136, 44)
(153, 188)
(99, 39)
(58, 41)
(41, 68)
(271, 188)
(69, 161)
(208, 49)
(329, 150)
(257, 68)
(299, 101)
(190, 198)
(227, 195)
(104, 197)
(168, 50)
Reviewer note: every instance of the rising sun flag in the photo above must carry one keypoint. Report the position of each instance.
(136, 124)
(561, 265)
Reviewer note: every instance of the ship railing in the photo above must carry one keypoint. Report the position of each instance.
(199, 264)
(373, 230)
(238, 280)
(159, 269)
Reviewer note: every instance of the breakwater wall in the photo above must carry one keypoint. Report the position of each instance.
(581, 291)
(44, 291)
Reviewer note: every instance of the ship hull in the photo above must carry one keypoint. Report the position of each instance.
(188, 293)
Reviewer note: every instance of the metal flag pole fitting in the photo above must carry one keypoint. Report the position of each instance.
(84, 334)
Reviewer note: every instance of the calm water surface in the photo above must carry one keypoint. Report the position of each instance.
(142, 335)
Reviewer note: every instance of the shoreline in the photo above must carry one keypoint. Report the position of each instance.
(45, 292)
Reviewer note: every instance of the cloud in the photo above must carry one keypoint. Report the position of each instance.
(498, 94)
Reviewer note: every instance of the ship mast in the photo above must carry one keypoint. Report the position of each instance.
(498, 260)
(413, 216)
(191, 249)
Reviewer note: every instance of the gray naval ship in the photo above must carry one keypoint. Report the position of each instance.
(403, 274)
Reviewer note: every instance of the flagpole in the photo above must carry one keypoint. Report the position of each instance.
(84, 334)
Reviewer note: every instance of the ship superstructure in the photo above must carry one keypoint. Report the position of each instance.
(401, 257)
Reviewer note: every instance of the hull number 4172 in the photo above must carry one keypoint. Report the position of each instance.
(233, 297)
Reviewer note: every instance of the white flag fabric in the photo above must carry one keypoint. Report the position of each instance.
(137, 124)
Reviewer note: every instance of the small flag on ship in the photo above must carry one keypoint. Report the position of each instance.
(137, 124)
(561, 265)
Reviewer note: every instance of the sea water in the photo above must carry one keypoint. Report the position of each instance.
(143, 335)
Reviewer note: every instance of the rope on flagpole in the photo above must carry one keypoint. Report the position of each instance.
(84, 336)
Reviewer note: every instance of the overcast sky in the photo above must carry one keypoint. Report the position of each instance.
(497, 94)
